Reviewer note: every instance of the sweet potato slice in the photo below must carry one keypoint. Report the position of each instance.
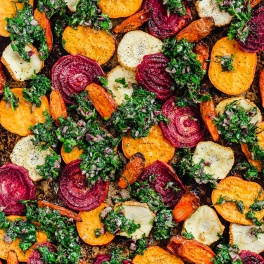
(12, 257)
(186, 206)
(68, 157)
(24, 116)
(191, 250)
(57, 106)
(90, 222)
(101, 99)
(156, 255)
(97, 45)
(154, 147)
(241, 191)
(237, 81)
(196, 30)
(119, 8)
(132, 171)
(261, 86)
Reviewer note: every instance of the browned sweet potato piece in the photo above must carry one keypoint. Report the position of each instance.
(197, 30)
(57, 106)
(101, 99)
(133, 22)
(185, 207)
(261, 86)
(12, 257)
(2, 78)
(132, 171)
(191, 250)
(208, 113)
(256, 163)
(202, 51)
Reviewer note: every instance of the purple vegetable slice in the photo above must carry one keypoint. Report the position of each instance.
(72, 73)
(249, 257)
(151, 75)
(15, 185)
(100, 258)
(75, 192)
(163, 176)
(185, 127)
(255, 39)
(36, 257)
(163, 24)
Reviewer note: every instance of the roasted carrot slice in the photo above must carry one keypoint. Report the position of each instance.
(133, 22)
(197, 30)
(2, 79)
(132, 171)
(191, 250)
(202, 51)
(12, 257)
(63, 211)
(101, 99)
(256, 163)
(57, 106)
(208, 113)
(45, 24)
(185, 207)
(261, 86)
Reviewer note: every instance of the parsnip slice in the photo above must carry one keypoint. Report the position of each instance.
(245, 237)
(141, 214)
(29, 156)
(241, 101)
(134, 46)
(220, 159)
(207, 8)
(205, 225)
(72, 4)
(118, 90)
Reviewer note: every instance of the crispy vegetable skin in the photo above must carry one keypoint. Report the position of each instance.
(132, 171)
(261, 86)
(191, 250)
(2, 79)
(12, 257)
(202, 51)
(63, 211)
(133, 22)
(208, 113)
(196, 30)
(57, 106)
(185, 207)
(101, 99)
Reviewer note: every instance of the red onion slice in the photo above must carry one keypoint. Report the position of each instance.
(72, 73)
(74, 191)
(249, 257)
(162, 24)
(185, 128)
(151, 75)
(163, 175)
(15, 185)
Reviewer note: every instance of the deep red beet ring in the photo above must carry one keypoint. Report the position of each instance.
(72, 73)
(185, 127)
(163, 173)
(35, 256)
(249, 257)
(161, 24)
(74, 190)
(151, 75)
(100, 258)
(255, 40)
(15, 185)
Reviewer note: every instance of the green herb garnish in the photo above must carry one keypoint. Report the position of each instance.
(51, 7)
(239, 204)
(225, 254)
(10, 98)
(116, 256)
(175, 6)
(226, 62)
(187, 235)
(249, 171)
(121, 81)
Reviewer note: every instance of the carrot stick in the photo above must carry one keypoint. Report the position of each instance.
(202, 51)
(63, 211)
(12, 257)
(261, 86)
(57, 106)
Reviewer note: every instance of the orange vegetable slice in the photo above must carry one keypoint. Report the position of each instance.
(237, 81)
(19, 120)
(68, 157)
(57, 106)
(12, 257)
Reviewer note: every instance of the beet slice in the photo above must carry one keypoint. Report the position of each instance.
(164, 174)
(72, 73)
(255, 40)
(15, 185)
(100, 258)
(249, 257)
(162, 24)
(185, 127)
(35, 256)
(151, 75)
(74, 190)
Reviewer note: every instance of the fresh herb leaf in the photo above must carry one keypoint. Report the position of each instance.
(4, 222)
(187, 235)
(47, 256)
(10, 98)
(250, 172)
(103, 81)
(116, 256)
(51, 7)
(122, 81)
(175, 6)
(226, 62)
(239, 204)
(256, 231)
(226, 253)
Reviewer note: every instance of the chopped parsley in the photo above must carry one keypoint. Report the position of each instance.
(51, 7)
(116, 256)
(250, 172)
(103, 80)
(47, 256)
(140, 245)
(175, 6)
(255, 231)
(226, 253)
(10, 98)
(187, 235)
(239, 204)
(226, 62)
(121, 81)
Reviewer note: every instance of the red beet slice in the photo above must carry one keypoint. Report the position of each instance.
(185, 128)
(162, 24)
(163, 175)
(72, 73)
(151, 75)
(249, 257)
(35, 257)
(255, 39)
(74, 190)
(15, 185)
(100, 258)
